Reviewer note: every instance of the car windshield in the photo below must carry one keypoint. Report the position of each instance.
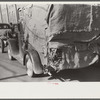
(4, 26)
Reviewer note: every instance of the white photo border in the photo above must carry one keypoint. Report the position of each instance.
(43, 90)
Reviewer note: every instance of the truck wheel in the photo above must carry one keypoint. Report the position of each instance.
(2, 46)
(9, 54)
(29, 66)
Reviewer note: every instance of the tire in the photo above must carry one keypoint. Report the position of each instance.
(29, 66)
(2, 46)
(9, 54)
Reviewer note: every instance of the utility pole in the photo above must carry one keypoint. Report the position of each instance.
(17, 13)
(7, 13)
(1, 14)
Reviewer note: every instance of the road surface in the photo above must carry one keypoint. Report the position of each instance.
(13, 71)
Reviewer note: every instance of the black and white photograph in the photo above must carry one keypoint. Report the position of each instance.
(49, 50)
(49, 42)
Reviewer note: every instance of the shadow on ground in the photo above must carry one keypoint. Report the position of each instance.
(40, 75)
(16, 76)
(87, 74)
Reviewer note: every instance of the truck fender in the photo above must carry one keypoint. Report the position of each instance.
(37, 67)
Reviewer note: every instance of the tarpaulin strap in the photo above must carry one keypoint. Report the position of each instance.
(89, 41)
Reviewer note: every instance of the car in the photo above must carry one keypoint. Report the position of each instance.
(4, 29)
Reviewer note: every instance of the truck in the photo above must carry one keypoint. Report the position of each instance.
(55, 37)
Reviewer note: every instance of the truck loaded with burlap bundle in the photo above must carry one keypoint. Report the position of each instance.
(73, 35)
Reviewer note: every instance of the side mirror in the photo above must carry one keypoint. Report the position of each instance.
(19, 9)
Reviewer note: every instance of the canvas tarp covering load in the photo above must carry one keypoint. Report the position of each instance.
(78, 21)
(76, 26)
(33, 18)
